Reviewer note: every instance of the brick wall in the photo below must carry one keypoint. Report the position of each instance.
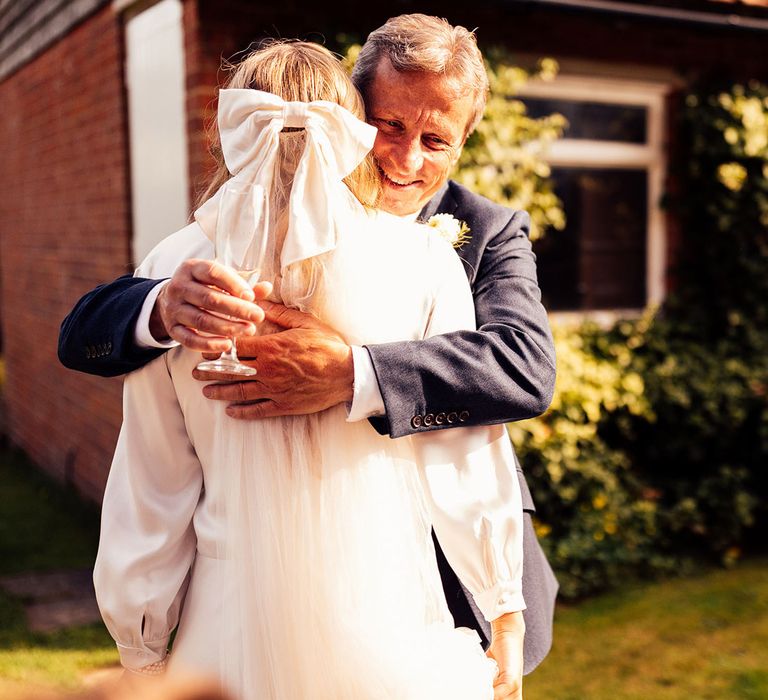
(65, 227)
(64, 223)
(201, 79)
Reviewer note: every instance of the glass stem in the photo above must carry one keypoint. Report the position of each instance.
(231, 354)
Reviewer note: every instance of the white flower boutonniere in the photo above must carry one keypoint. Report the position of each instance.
(450, 228)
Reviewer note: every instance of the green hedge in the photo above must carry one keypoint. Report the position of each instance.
(655, 450)
(705, 357)
(597, 521)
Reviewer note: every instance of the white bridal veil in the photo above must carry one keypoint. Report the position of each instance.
(336, 593)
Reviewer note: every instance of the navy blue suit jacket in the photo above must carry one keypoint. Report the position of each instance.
(504, 371)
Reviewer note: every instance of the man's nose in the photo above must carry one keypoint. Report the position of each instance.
(409, 156)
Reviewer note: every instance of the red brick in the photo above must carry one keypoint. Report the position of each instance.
(64, 208)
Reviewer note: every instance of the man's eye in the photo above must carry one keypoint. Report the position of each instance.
(388, 124)
(436, 142)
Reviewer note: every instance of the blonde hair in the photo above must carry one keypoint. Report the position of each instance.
(302, 72)
(422, 43)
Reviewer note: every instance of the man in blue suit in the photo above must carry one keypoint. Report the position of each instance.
(425, 87)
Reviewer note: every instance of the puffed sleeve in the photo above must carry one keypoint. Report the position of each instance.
(469, 476)
(168, 254)
(147, 542)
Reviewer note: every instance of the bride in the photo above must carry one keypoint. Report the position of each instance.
(295, 553)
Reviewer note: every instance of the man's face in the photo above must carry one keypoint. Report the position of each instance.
(422, 120)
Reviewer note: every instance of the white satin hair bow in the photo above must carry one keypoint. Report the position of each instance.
(249, 123)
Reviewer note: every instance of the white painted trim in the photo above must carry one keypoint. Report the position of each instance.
(571, 67)
(656, 256)
(598, 154)
(587, 88)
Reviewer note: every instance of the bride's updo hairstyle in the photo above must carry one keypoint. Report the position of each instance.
(296, 71)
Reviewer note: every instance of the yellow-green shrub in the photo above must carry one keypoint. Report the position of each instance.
(596, 520)
(656, 445)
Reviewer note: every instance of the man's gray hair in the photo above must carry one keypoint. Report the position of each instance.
(427, 44)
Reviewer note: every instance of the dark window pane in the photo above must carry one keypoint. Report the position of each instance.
(594, 120)
(598, 261)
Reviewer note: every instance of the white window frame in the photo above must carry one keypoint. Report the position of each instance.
(589, 153)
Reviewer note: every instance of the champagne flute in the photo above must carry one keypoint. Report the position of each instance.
(241, 245)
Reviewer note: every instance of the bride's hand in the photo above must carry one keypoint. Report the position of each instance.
(508, 633)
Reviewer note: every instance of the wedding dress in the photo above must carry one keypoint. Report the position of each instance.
(295, 553)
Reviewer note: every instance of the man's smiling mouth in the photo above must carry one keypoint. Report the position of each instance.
(397, 183)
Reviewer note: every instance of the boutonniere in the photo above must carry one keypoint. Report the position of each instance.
(450, 228)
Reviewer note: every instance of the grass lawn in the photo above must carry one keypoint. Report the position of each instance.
(60, 659)
(689, 639)
(43, 528)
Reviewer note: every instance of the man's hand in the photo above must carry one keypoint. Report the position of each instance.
(303, 369)
(206, 297)
(508, 632)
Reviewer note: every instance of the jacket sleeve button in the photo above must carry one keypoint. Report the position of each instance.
(416, 421)
(463, 416)
(452, 417)
(440, 418)
(429, 419)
